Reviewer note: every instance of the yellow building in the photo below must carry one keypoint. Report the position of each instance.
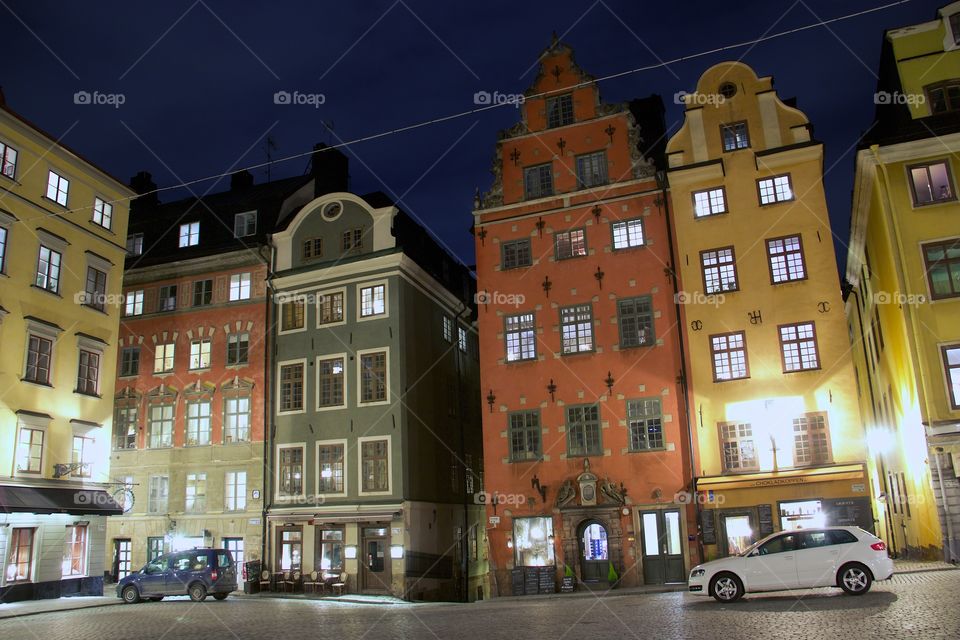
(777, 428)
(62, 225)
(903, 274)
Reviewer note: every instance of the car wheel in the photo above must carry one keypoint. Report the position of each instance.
(130, 595)
(198, 592)
(156, 599)
(726, 587)
(854, 579)
(220, 596)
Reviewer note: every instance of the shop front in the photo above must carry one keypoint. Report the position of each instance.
(738, 510)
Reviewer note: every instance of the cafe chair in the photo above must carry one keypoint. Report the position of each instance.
(265, 581)
(310, 582)
(340, 585)
(292, 580)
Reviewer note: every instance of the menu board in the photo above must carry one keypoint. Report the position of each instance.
(567, 584)
(708, 526)
(516, 581)
(765, 515)
(547, 583)
(849, 512)
(531, 580)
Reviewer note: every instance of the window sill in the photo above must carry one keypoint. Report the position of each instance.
(128, 375)
(198, 370)
(565, 258)
(650, 450)
(227, 443)
(718, 381)
(100, 227)
(646, 345)
(88, 395)
(631, 248)
(587, 352)
(62, 206)
(710, 215)
(47, 291)
(93, 308)
(925, 205)
(776, 202)
(595, 454)
(522, 460)
(810, 370)
(521, 360)
(37, 383)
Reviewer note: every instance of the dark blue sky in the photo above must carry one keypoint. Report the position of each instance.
(199, 79)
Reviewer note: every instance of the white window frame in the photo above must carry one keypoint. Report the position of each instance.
(239, 286)
(386, 300)
(345, 311)
(346, 475)
(36, 423)
(88, 433)
(346, 387)
(707, 199)
(359, 353)
(133, 306)
(277, 466)
(249, 413)
(237, 497)
(198, 477)
(197, 354)
(152, 507)
(288, 299)
(61, 188)
(104, 210)
(360, 441)
(245, 215)
(198, 419)
(6, 223)
(134, 244)
(189, 234)
(162, 348)
(280, 366)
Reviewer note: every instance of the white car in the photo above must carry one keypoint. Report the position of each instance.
(845, 557)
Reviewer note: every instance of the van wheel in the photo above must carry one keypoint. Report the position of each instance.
(198, 592)
(131, 595)
(854, 578)
(220, 596)
(726, 587)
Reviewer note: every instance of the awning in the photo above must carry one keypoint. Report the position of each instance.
(782, 478)
(46, 500)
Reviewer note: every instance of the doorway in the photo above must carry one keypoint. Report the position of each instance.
(662, 547)
(594, 552)
(739, 533)
(121, 558)
(375, 574)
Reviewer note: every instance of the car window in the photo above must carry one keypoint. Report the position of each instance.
(840, 536)
(157, 565)
(224, 560)
(191, 562)
(813, 539)
(779, 545)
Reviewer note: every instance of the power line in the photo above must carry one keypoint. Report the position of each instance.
(481, 109)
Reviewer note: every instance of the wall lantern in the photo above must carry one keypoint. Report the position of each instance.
(552, 389)
(491, 399)
(609, 382)
(509, 542)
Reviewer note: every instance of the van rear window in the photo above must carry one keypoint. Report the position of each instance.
(191, 562)
(224, 559)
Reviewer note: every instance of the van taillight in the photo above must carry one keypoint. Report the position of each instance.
(879, 546)
(213, 574)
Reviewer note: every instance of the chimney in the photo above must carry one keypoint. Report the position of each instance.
(329, 168)
(241, 180)
(143, 183)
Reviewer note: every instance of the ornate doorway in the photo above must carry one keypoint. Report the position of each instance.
(594, 552)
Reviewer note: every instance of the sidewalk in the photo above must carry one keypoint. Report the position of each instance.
(34, 607)
(921, 566)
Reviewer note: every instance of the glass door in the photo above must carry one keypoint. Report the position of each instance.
(594, 556)
(375, 568)
(662, 547)
(121, 558)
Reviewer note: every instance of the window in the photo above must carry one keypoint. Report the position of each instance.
(154, 547)
(167, 298)
(48, 269)
(462, 342)
(239, 287)
(135, 244)
(735, 136)
(352, 240)
(955, 27)
(775, 189)
(57, 188)
(931, 183)
(538, 181)
(8, 160)
(645, 424)
(236, 419)
(576, 328)
(627, 234)
(583, 431)
(719, 270)
(238, 349)
(373, 300)
(291, 387)
(447, 328)
(635, 317)
(3, 249)
(330, 382)
(811, 443)
(198, 423)
(102, 213)
(331, 550)
(330, 308)
(945, 96)
(312, 248)
(189, 234)
(533, 544)
(196, 494)
(525, 436)
(570, 244)
(133, 303)
(781, 544)
(951, 366)
(163, 358)
(330, 468)
(729, 355)
(95, 290)
(81, 455)
(161, 426)
(39, 357)
(235, 491)
(292, 315)
(159, 494)
(88, 373)
(592, 169)
(709, 202)
(521, 337)
(559, 111)
(942, 261)
(373, 377)
(130, 361)
(736, 442)
(291, 471)
(291, 549)
(244, 224)
(202, 293)
(374, 465)
(125, 427)
(514, 254)
(785, 258)
(20, 555)
(30, 450)
(235, 547)
(798, 346)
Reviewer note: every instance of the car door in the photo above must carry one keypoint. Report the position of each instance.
(817, 559)
(773, 565)
(153, 577)
(179, 575)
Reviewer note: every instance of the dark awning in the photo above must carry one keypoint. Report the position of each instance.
(78, 502)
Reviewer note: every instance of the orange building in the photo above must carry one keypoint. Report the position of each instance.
(587, 467)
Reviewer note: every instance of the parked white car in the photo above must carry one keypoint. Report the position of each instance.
(845, 557)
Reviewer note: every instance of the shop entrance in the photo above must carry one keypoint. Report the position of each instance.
(121, 558)
(594, 552)
(662, 547)
(375, 576)
(738, 533)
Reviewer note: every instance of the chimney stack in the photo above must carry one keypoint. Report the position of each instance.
(329, 168)
(241, 180)
(143, 183)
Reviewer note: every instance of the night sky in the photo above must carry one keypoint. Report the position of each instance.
(198, 81)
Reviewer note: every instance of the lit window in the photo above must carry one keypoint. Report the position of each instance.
(775, 189)
(709, 202)
(161, 426)
(330, 380)
(330, 468)
(538, 181)
(785, 258)
(592, 169)
(291, 471)
(627, 234)
(951, 365)
(163, 358)
(373, 377)
(102, 213)
(125, 425)
(159, 494)
(719, 270)
(235, 493)
(533, 544)
(291, 549)
(20, 555)
(811, 440)
(48, 269)
(189, 234)
(447, 328)
(236, 419)
(559, 111)
(729, 354)
(331, 550)
(198, 423)
(8, 160)
(739, 451)
(375, 465)
(570, 244)
(57, 188)
(330, 308)
(576, 328)
(75, 551)
(462, 339)
(373, 300)
(583, 431)
(645, 424)
(244, 224)
(931, 183)
(798, 345)
(29, 450)
(239, 287)
(133, 303)
(196, 493)
(735, 136)
(81, 455)
(291, 387)
(520, 337)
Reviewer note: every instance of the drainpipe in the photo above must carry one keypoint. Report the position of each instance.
(267, 408)
(684, 387)
(465, 535)
(947, 516)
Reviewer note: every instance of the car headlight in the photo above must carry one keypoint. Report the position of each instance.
(697, 573)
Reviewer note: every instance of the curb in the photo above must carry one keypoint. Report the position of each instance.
(92, 605)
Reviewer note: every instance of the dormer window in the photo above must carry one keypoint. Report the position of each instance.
(944, 96)
(189, 234)
(245, 224)
(559, 111)
(954, 21)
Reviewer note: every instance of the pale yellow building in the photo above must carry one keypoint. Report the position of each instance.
(63, 223)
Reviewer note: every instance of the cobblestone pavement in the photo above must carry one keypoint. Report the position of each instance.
(918, 605)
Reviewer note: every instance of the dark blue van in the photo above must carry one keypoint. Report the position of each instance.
(197, 573)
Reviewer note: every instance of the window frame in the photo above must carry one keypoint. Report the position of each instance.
(519, 331)
(373, 285)
(302, 363)
(35, 431)
(516, 244)
(652, 339)
(153, 423)
(714, 352)
(202, 292)
(576, 323)
(953, 396)
(359, 373)
(197, 353)
(913, 187)
(279, 472)
(570, 427)
(167, 297)
(199, 499)
(133, 307)
(231, 433)
(628, 223)
(58, 189)
(776, 197)
(105, 213)
(732, 125)
(158, 494)
(189, 235)
(525, 431)
(719, 267)
(929, 265)
(48, 276)
(233, 358)
(134, 244)
(809, 418)
(592, 156)
(344, 476)
(796, 326)
(786, 258)
(245, 216)
(193, 423)
(75, 551)
(42, 337)
(389, 464)
(563, 118)
(343, 357)
(320, 307)
(31, 550)
(737, 440)
(283, 309)
(5, 161)
(558, 255)
(129, 367)
(633, 421)
(94, 362)
(541, 190)
(708, 192)
(239, 499)
(126, 414)
(311, 249)
(243, 284)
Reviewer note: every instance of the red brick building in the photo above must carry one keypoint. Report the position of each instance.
(586, 452)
